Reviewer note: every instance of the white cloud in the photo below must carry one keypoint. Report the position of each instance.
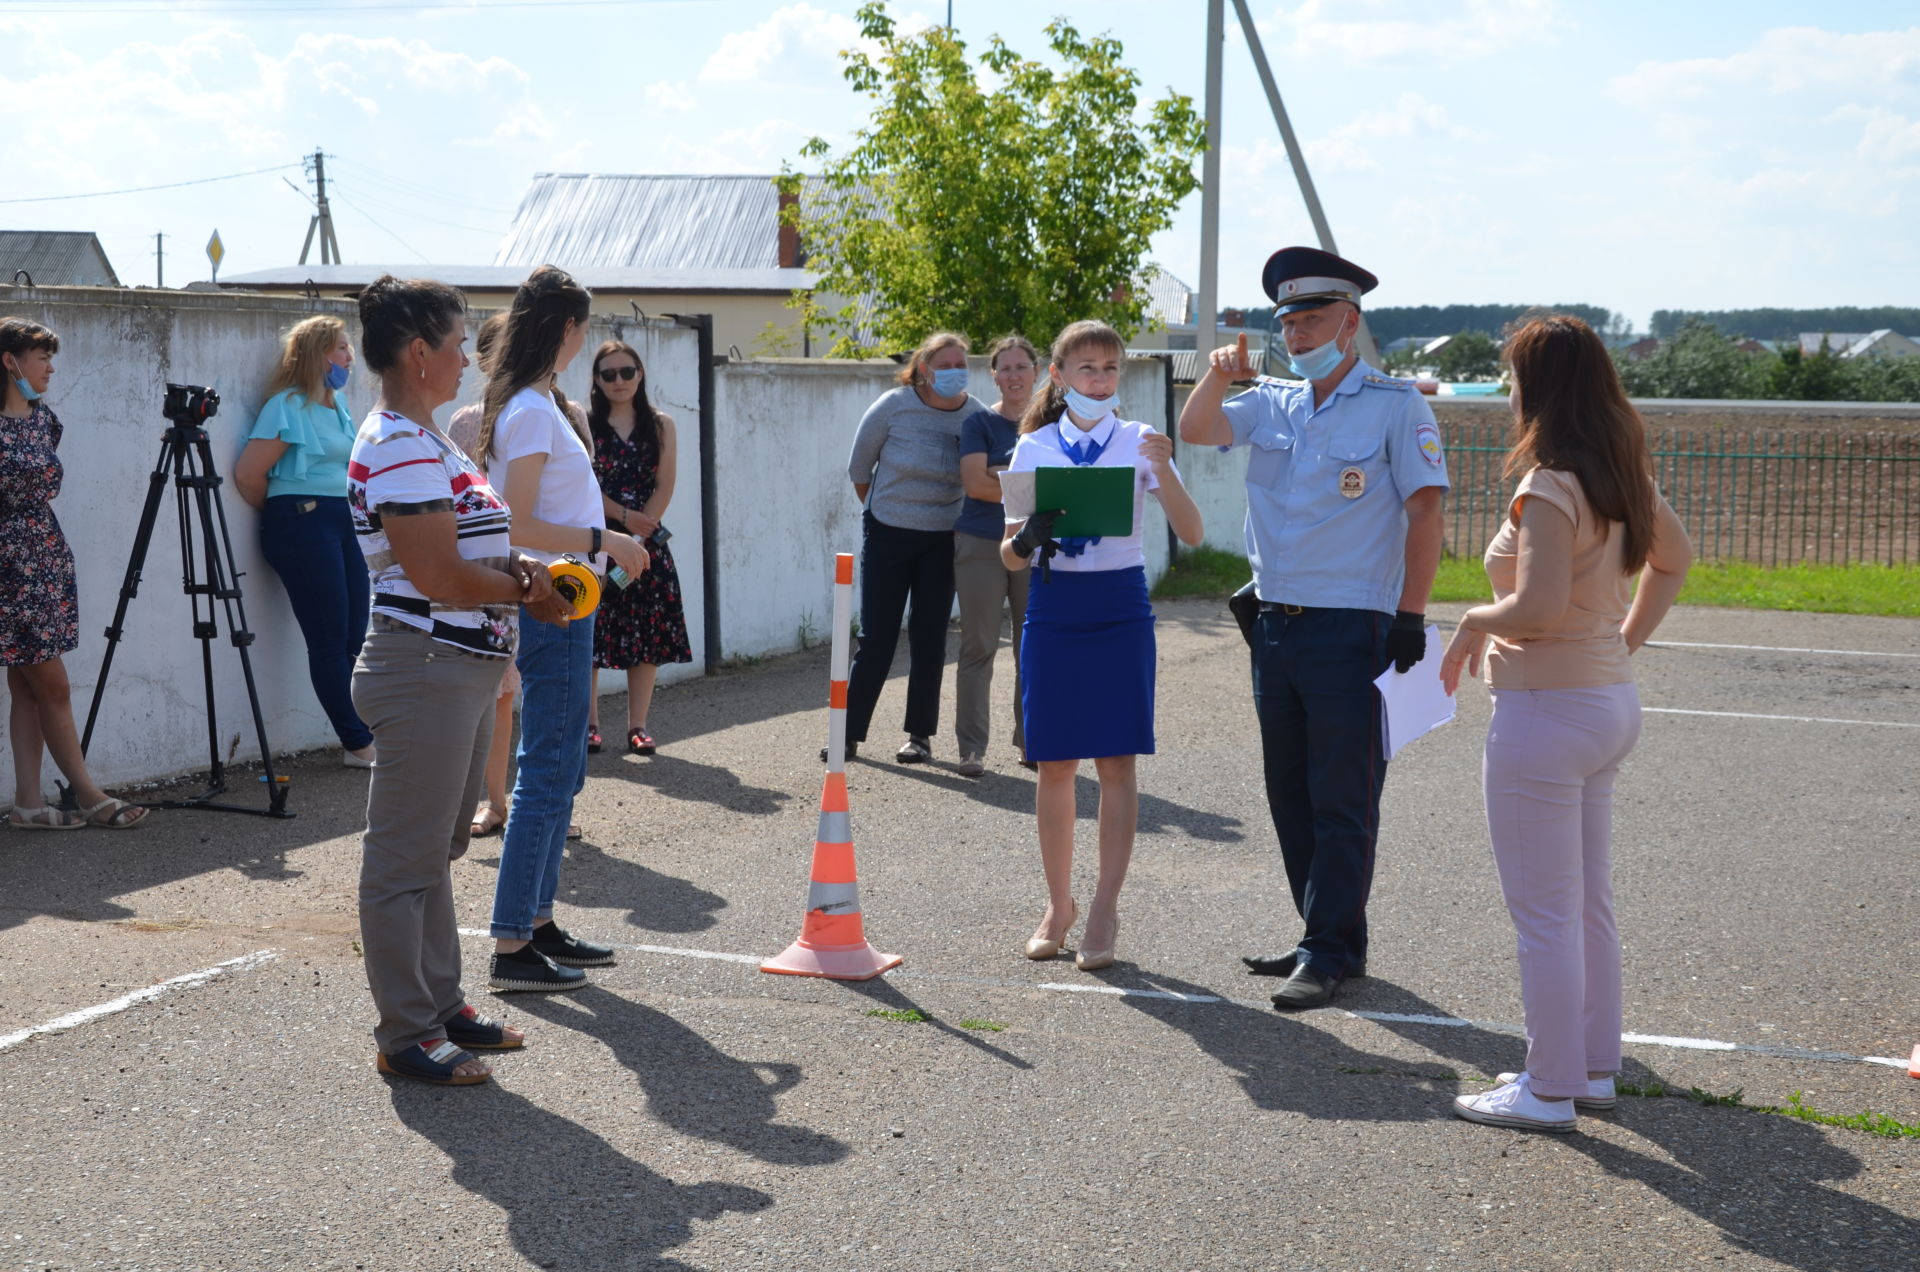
(1788, 60)
(759, 148)
(1377, 30)
(670, 98)
(746, 57)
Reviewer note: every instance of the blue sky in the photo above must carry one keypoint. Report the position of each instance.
(1633, 155)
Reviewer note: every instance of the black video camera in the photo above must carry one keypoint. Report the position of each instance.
(190, 404)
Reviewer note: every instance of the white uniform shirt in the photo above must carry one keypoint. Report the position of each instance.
(1046, 448)
(531, 424)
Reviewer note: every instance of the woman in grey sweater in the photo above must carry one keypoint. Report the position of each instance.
(905, 468)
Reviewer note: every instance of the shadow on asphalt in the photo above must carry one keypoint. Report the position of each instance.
(1757, 1177)
(691, 1085)
(1013, 792)
(675, 778)
(571, 1199)
(884, 991)
(660, 902)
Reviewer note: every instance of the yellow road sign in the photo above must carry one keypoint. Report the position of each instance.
(216, 251)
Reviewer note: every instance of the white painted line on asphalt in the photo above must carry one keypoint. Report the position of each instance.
(246, 962)
(1379, 1017)
(1778, 649)
(1750, 715)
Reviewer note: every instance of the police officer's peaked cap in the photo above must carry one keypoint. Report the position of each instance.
(1306, 278)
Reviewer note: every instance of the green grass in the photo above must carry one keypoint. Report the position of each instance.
(905, 1015)
(980, 1023)
(1817, 589)
(1796, 1107)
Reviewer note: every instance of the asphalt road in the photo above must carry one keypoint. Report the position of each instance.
(689, 1111)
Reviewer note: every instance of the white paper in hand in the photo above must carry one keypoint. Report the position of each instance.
(1016, 494)
(1414, 703)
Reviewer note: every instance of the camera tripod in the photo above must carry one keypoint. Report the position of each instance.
(208, 575)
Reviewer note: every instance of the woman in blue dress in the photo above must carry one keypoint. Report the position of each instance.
(1086, 648)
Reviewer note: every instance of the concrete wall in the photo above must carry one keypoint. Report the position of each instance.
(118, 349)
(786, 505)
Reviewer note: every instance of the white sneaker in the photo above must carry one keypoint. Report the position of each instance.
(1599, 1097)
(1515, 1105)
(973, 765)
(355, 761)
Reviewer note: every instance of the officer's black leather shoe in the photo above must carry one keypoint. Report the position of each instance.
(1283, 965)
(1271, 964)
(1305, 988)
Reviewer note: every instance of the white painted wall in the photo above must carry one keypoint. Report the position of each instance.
(786, 505)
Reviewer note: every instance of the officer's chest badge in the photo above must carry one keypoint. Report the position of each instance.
(1353, 482)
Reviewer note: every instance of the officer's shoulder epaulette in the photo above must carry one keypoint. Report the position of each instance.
(1387, 381)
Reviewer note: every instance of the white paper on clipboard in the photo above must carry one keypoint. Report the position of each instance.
(1413, 703)
(1016, 494)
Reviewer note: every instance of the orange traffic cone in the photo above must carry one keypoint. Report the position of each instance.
(833, 940)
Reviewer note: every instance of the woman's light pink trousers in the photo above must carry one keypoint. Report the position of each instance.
(1551, 759)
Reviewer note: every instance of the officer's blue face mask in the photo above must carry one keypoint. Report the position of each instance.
(336, 376)
(950, 381)
(1318, 364)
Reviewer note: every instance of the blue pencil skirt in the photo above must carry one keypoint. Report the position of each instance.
(1087, 658)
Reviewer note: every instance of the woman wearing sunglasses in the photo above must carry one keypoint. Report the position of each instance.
(644, 624)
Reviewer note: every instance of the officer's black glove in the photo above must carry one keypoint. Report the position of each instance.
(1037, 531)
(1406, 640)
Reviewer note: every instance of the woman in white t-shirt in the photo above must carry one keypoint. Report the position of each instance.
(541, 462)
(1086, 647)
(447, 594)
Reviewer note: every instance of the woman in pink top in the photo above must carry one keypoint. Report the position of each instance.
(1584, 523)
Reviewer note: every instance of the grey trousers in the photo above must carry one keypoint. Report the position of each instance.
(430, 707)
(984, 586)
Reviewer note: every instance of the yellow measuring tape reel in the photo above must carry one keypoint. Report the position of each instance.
(578, 584)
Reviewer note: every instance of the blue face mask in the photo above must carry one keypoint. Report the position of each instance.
(1317, 364)
(27, 391)
(1090, 408)
(336, 376)
(950, 382)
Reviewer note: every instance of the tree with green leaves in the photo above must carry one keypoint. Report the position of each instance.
(1011, 196)
(1470, 355)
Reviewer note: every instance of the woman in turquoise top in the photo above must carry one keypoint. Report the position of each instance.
(294, 470)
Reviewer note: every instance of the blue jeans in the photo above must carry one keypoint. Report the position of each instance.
(1320, 738)
(309, 542)
(556, 683)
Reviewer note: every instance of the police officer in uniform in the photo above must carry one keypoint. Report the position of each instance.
(1345, 479)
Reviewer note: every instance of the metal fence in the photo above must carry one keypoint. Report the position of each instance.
(1770, 496)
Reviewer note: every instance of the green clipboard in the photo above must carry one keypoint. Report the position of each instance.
(1098, 501)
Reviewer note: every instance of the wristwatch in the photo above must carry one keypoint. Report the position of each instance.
(593, 551)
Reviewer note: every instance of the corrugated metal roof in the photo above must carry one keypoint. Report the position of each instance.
(1187, 364)
(508, 277)
(579, 219)
(1169, 300)
(56, 258)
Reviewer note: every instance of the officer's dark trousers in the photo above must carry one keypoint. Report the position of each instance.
(898, 566)
(1319, 714)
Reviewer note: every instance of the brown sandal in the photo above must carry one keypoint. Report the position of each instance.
(487, 821)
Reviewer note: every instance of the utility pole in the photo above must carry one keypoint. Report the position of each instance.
(322, 221)
(159, 260)
(1205, 335)
(1296, 157)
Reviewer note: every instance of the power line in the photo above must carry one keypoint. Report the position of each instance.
(384, 230)
(403, 188)
(171, 185)
(416, 214)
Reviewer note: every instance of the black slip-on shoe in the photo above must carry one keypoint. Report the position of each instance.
(1283, 965)
(568, 950)
(1305, 988)
(528, 969)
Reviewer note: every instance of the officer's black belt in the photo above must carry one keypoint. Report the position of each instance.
(1292, 611)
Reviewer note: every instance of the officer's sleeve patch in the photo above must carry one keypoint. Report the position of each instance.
(1427, 438)
(1386, 382)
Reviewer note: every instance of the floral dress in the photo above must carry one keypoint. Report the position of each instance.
(39, 601)
(643, 622)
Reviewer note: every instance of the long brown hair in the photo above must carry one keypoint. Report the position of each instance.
(1050, 403)
(914, 369)
(1574, 416)
(530, 345)
(304, 353)
(646, 420)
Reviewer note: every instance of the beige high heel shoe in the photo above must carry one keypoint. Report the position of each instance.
(1039, 947)
(1093, 960)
